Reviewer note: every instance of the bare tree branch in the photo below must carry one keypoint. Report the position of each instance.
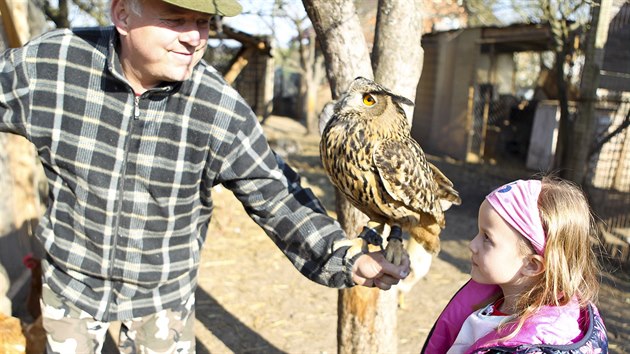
(60, 15)
(96, 9)
(600, 143)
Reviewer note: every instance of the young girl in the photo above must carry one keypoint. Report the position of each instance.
(534, 277)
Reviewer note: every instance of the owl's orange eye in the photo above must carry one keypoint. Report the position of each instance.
(368, 100)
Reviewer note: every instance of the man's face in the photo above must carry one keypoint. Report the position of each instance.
(164, 43)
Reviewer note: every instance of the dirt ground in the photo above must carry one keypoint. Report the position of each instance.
(252, 300)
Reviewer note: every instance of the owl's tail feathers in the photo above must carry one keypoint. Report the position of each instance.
(446, 194)
(428, 236)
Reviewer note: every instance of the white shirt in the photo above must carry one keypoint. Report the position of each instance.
(476, 326)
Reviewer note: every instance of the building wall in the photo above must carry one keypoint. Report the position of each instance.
(426, 94)
(441, 122)
(615, 73)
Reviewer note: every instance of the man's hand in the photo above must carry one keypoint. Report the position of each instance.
(373, 270)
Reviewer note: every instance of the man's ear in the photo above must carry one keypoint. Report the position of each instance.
(534, 266)
(120, 15)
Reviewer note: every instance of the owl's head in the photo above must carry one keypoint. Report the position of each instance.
(370, 100)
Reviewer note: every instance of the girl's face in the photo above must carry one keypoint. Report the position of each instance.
(497, 256)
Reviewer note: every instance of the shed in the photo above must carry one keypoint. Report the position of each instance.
(250, 70)
(464, 72)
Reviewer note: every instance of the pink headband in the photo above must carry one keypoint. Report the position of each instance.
(517, 204)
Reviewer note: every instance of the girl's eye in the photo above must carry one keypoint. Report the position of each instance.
(368, 100)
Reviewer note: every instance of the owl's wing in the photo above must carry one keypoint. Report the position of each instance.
(406, 174)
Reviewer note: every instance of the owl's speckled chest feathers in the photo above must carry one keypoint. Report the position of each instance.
(347, 150)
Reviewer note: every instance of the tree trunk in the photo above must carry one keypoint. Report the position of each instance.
(367, 317)
(20, 156)
(397, 63)
(560, 35)
(20, 172)
(342, 42)
(565, 125)
(397, 55)
(336, 25)
(312, 124)
(314, 79)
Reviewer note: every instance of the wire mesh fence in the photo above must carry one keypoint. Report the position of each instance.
(501, 132)
(608, 179)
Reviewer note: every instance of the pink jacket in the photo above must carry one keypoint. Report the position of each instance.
(545, 332)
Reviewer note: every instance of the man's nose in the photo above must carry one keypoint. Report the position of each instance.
(191, 34)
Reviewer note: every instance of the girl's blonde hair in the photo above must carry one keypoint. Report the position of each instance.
(571, 267)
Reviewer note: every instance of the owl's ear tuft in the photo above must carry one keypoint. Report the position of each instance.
(402, 100)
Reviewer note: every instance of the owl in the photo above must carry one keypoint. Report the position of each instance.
(368, 153)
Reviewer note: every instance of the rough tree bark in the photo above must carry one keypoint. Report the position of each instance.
(20, 156)
(346, 54)
(397, 56)
(19, 168)
(562, 48)
(367, 317)
(312, 74)
(397, 63)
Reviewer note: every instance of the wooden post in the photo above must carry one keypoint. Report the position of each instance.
(239, 64)
(10, 27)
(593, 59)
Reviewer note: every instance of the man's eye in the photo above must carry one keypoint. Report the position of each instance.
(173, 22)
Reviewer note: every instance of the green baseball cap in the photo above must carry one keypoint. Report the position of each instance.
(218, 7)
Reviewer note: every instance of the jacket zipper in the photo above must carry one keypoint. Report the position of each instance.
(121, 193)
(136, 107)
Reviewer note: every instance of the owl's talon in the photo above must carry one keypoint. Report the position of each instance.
(371, 236)
(394, 251)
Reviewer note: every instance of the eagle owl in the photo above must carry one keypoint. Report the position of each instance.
(369, 155)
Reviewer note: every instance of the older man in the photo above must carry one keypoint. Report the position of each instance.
(134, 130)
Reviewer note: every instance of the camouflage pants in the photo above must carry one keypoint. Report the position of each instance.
(71, 330)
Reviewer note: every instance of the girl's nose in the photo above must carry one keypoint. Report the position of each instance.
(471, 245)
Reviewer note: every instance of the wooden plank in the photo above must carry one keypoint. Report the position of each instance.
(239, 64)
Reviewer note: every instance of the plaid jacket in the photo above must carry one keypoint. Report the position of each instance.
(130, 177)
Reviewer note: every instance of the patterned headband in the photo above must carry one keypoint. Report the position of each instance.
(517, 204)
